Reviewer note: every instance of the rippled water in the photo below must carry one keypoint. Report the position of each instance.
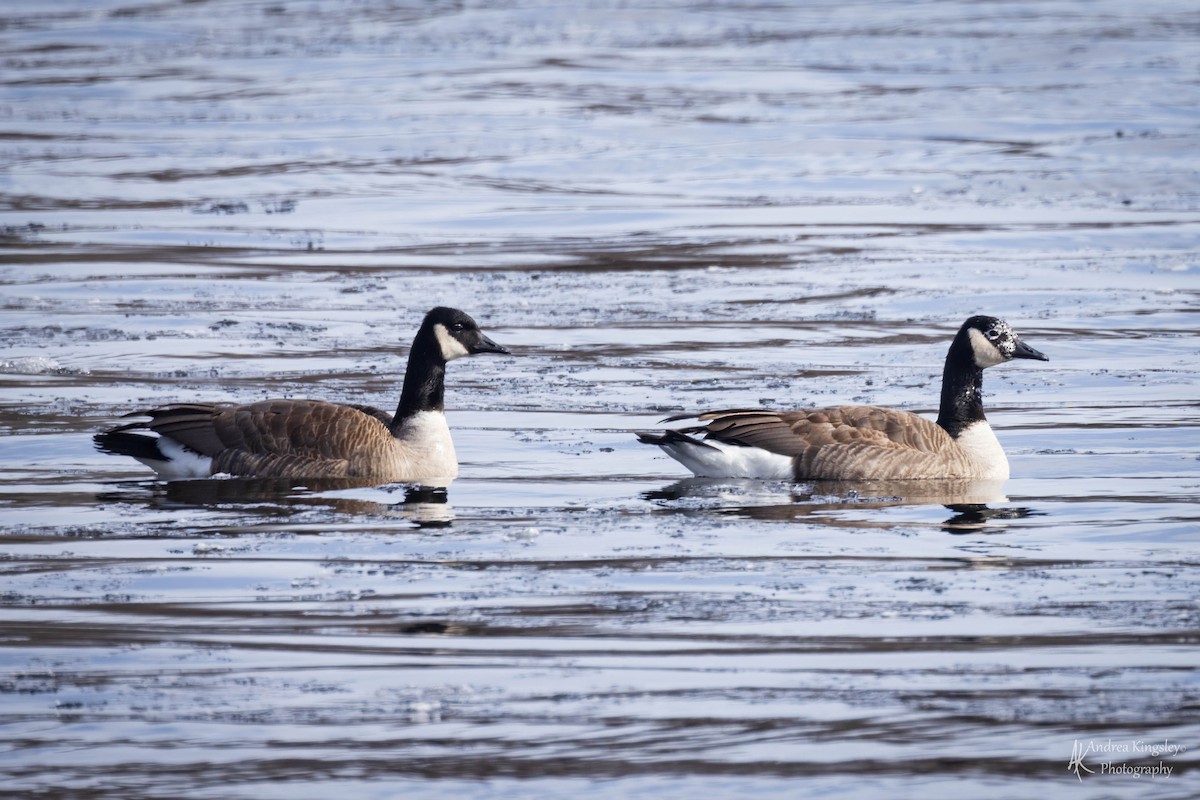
(659, 209)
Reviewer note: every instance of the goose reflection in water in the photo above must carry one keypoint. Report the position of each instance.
(974, 517)
(421, 506)
(974, 503)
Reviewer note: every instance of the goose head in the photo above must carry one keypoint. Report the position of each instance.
(453, 334)
(993, 341)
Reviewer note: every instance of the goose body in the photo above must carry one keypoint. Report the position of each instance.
(313, 438)
(860, 443)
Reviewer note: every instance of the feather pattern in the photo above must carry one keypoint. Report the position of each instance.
(843, 442)
(862, 443)
(290, 438)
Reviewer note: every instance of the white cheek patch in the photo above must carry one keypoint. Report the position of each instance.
(451, 348)
(986, 353)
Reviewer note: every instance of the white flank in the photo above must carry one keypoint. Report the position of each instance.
(719, 460)
(451, 348)
(980, 444)
(182, 463)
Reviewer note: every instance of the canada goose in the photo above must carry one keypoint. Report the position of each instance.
(313, 438)
(861, 442)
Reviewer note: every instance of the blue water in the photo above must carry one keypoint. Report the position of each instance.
(658, 209)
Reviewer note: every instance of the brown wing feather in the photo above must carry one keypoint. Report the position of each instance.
(372, 411)
(276, 437)
(191, 425)
(300, 427)
(843, 442)
(792, 432)
(870, 425)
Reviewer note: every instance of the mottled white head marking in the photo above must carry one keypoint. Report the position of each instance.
(994, 345)
(451, 347)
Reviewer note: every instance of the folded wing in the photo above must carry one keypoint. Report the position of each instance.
(842, 442)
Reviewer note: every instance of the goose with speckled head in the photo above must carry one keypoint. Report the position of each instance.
(290, 438)
(861, 443)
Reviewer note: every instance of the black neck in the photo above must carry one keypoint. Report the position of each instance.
(962, 389)
(424, 379)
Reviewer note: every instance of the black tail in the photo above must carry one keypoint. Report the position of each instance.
(651, 437)
(661, 438)
(123, 443)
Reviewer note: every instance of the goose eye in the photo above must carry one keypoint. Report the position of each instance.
(457, 327)
(993, 334)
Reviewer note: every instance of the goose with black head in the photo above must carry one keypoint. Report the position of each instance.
(289, 438)
(862, 443)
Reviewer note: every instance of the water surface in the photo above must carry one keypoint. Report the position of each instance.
(658, 209)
